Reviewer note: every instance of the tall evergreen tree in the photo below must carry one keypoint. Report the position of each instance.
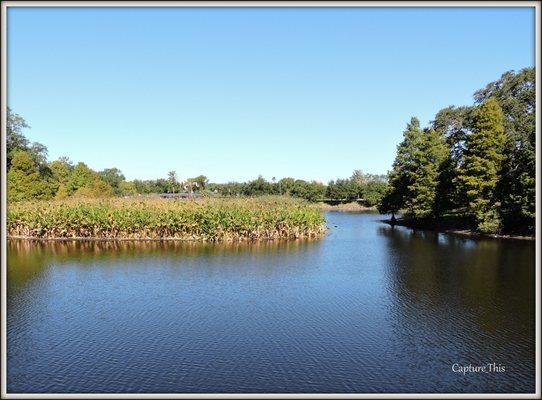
(454, 123)
(515, 93)
(479, 174)
(429, 154)
(400, 177)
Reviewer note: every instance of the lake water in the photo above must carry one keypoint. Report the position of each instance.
(369, 308)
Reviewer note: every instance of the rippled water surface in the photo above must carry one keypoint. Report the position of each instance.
(369, 308)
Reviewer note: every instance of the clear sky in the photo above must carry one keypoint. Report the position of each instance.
(231, 93)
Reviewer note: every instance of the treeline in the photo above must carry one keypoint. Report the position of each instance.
(31, 176)
(367, 188)
(477, 161)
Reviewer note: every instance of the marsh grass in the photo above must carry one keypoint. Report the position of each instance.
(270, 217)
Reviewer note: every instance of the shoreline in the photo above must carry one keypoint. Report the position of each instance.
(456, 231)
(242, 239)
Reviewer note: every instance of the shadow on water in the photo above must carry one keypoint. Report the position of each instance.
(471, 301)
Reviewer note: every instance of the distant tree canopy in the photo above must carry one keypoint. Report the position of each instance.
(201, 181)
(477, 160)
(366, 188)
(114, 177)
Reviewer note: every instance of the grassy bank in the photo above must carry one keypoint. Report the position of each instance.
(270, 217)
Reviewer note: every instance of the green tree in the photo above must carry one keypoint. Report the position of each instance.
(358, 177)
(95, 188)
(141, 186)
(257, 187)
(39, 153)
(114, 177)
(391, 202)
(173, 181)
(515, 92)
(232, 189)
(128, 188)
(344, 189)
(311, 191)
(373, 192)
(24, 181)
(201, 182)
(429, 153)
(15, 139)
(479, 174)
(401, 176)
(62, 192)
(286, 185)
(61, 170)
(81, 176)
(454, 123)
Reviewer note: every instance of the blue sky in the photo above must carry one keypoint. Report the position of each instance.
(231, 93)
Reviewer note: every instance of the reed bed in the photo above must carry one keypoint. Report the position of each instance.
(240, 219)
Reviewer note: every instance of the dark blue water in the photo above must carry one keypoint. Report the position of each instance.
(369, 308)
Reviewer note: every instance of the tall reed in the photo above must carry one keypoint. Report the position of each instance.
(271, 217)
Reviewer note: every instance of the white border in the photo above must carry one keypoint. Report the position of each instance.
(3, 365)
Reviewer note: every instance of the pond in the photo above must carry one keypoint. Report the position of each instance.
(369, 308)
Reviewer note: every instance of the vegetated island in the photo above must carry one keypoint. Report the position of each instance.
(206, 219)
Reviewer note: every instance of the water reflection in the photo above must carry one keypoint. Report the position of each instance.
(27, 258)
(369, 308)
(471, 301)
(66, 249)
